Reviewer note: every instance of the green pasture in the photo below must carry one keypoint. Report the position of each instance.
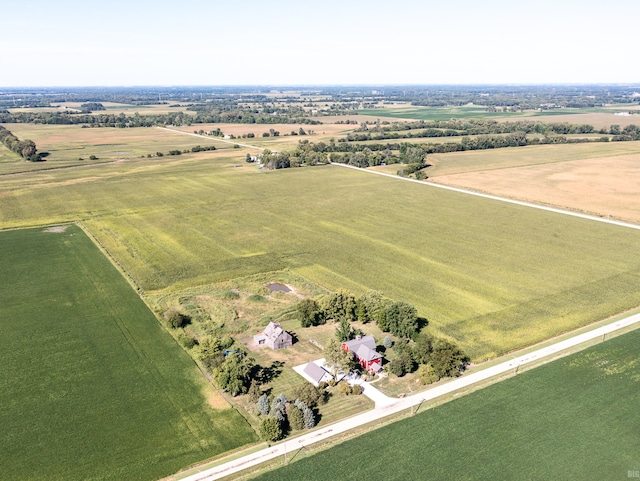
(92, 386)
(466, 112)
(576, 418)
(483, 160)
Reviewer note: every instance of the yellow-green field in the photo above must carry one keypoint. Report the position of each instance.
(491, 275)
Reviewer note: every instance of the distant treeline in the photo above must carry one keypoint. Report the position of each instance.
(177, 118)
(458, 127)
(25, 148)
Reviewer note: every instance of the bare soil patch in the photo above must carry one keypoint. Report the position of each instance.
(608, 186)
(57, 229)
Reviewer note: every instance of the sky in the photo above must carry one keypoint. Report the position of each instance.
(329, 42)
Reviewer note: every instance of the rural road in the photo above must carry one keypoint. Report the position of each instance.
(383, 409)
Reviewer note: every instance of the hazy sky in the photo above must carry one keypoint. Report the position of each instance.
(144, 42)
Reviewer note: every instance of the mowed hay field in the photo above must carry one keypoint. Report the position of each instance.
(492, 275)
(92, 386)
(71, 142)
(601, 179)
(575, 418)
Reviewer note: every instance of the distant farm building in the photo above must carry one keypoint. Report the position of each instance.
(364, 348)
(274, 336)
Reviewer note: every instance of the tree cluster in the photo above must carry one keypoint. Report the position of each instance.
(279, 416)
(24, 148)
(434, 358)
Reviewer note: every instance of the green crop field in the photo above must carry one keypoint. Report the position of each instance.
(576, 418)
(92, 386)
(493, 276)
(466, 112)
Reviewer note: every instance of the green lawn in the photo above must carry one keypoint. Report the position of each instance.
(576, 418)
(92, 386)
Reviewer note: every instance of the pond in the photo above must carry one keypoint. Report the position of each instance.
(277, 287)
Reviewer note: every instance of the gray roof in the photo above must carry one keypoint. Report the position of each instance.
(366, 354)
(314, 371)
(354, 344)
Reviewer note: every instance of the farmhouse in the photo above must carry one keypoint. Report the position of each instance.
(274, 336)
(364, 349)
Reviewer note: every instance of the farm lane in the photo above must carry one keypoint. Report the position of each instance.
(292, 446)
(217, 139)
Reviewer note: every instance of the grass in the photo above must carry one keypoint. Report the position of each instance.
(494, 276)
(93, 387)
(573, 418)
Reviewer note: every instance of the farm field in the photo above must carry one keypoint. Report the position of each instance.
(573, 418)
(93, 387)
(599, 179)
(599, 117)
(491, 275)
(71, 142)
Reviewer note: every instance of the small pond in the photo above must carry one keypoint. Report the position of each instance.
(277, 287)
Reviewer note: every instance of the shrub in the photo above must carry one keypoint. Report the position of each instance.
(387, 342)
(270, 429)
(186, 341)
(356, 389)
(263, 404)
(296, 418)
(426, 374)
(176, 319)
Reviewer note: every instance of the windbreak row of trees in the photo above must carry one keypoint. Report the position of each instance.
(24, 148)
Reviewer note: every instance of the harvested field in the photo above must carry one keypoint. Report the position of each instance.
(608, 186)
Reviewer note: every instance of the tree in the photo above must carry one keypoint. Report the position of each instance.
(339, 305)
(371, 307)
(263, 404)
(336, 358)
(309, 417)
(422, 349)
(401, 319)
(426, 374)
(254, 391)
(233, 374)
(344, 331)
(176, 319)
(308, 394)
(270, 429)
(309, 313)
(447, 359)
(296, 418)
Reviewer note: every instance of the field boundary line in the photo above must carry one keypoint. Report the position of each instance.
(555, 210)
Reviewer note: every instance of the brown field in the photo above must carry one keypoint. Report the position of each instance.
(71, 142)
(605, 186)
(598, 120)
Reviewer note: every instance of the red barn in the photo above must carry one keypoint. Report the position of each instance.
(364, 348)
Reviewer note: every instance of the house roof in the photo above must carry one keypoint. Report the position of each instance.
(354, 344)
(366, 354)
(315, 372)
(273, 330)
